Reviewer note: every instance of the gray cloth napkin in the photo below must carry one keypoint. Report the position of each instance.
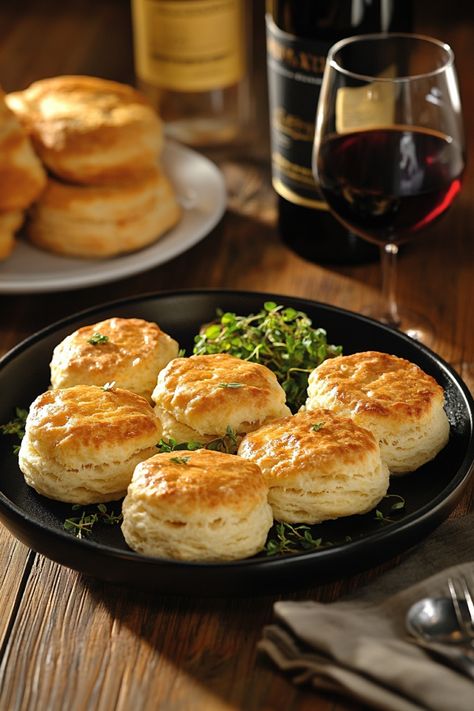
(359, 646)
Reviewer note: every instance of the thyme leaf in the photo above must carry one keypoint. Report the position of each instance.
(97, 339)
(179, 460)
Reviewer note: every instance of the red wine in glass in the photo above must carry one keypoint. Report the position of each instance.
(389, 183)
(389, 147)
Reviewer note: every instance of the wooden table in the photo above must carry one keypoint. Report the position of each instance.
(68, 642)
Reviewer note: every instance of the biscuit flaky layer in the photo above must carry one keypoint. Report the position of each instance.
(89, 130)
(394, 398)
(104, 221)
(205, 394)
(199, 505)
(82, 443)
(318, 466)
(132, 355)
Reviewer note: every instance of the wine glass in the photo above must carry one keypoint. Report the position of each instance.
(389, 147)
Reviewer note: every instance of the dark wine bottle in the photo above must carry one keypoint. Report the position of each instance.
(299, 35)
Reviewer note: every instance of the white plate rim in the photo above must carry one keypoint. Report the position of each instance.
(201, 190)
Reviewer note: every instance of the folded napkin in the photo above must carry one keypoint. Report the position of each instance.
(359, 646)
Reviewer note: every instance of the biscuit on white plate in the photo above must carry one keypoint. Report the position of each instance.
(89, 130)
(103, 221)
(130, 352)
(22, 177)
(200, 505)
(200, 397)
(82, 444)
(10, 222)
(394, 398)
(318, 466)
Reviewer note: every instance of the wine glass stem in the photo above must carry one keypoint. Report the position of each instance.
(389, 254)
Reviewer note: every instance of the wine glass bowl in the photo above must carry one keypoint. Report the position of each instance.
(389, 147)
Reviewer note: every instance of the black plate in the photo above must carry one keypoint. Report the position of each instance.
(430, 493)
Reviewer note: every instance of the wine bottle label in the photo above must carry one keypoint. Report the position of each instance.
(295, 71)
(189, 45)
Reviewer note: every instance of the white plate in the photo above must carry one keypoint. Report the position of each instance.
(201, 191)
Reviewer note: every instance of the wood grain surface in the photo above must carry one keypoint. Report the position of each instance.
(70, 642)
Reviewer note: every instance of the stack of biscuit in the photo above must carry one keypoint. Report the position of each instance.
(100, 141)
(22, 177)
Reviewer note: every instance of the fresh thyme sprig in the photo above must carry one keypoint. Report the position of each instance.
(81, 526)
(397, 506)
(227, 444)
(281, 338)
(16, 427)
(291, 539)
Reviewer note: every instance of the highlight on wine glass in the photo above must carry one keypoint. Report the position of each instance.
(389, 147)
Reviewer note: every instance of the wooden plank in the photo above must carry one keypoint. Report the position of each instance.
(15, 564)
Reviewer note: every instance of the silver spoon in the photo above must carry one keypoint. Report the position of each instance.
(434, 625)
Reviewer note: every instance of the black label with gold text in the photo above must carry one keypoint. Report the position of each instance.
(295, 70)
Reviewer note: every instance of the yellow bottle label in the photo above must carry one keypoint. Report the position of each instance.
(189, 45)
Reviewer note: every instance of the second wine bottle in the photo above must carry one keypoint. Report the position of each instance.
(299, 35)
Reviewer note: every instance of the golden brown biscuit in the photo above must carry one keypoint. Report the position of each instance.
(198, 398)
(318, 466)
(82, 443)
(199, 505)
(10, 222)
(395, 399)
(103, 221)
(128, 351)
(89, 130)
(22, 177)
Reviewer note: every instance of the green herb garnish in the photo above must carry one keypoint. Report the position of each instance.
(317, 426)
(81, 526)
(16, 427)
(227, 444)
(397, 506)
(179, 460)
(292, 539)
(231, 385)
(279, 337)
(97, 339)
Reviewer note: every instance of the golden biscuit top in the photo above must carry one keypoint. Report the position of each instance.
(81, 103)
(198, 481)
(308, 442)
(209, 392)
(108, 346)
(88, 416)
(375, 384)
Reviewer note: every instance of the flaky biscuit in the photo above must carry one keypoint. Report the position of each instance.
(199, 505)
(22, 177)
(127, 351)
(82, 443)
(318, 466)
(10, 222)
(103, 221)
(89, 130)
(394, 398)
(201, 396)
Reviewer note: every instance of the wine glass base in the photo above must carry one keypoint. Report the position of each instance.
(410, 322)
